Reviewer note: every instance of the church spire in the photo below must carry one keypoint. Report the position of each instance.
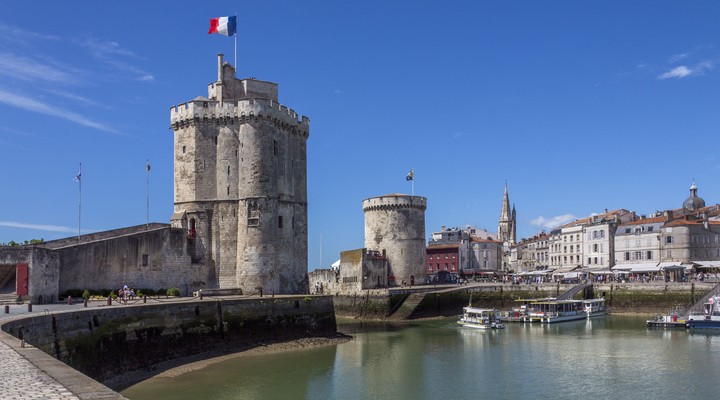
(505, 223)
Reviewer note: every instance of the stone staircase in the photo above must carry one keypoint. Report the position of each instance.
(406, 308)
(570, 293)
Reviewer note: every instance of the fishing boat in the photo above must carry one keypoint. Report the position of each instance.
(481, 318)
(708, 318)
(551, 311)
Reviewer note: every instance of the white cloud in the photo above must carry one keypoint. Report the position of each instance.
(684, 71)
(28, 104)
(677, 57)
(115, 56)
(553, 222)
(47, 228)
(28, 70)
(678, 72)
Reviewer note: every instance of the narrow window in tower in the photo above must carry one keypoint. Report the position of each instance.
(183, 149)
(215, 140)
(275, 148)
(236, 153)
(228, 190)
(293, 223)
(280, 222)
(228, 170)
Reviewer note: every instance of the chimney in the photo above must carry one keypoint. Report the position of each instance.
(220, 65)
(668, 215)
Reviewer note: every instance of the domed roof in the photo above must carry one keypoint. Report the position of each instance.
(693, 203)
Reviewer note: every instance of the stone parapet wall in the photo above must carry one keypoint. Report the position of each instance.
(104, 342)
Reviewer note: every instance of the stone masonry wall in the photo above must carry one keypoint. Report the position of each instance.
(152, 259)
(395, 224)
(93, 341)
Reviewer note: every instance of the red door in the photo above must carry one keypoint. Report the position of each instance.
(21, 279)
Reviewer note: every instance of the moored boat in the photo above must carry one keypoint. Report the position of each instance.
(481, 318)
(708, 318)
(552, 311)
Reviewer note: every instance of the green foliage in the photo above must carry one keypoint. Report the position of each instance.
(307, 298)
(173, 292)
(86, 294)
(24, 243)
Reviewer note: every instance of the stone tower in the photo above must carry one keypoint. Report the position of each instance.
(506, 225)
(395, 226)
(241, 185)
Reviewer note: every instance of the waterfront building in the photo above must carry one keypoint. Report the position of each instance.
(454, 253)
(599, 238)
(637, 244)
(532, 254)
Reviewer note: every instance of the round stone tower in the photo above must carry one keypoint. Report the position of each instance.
(241, 185)
(395, 226)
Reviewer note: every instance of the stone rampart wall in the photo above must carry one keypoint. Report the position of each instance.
(151, 259)
(105, 342)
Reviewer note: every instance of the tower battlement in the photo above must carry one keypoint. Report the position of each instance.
(394, 202)
(205, 110)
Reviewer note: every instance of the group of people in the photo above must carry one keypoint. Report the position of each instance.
(126, 294)
(319, 288)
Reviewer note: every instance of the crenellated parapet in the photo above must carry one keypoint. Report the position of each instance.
(394, 202)
(205, 111)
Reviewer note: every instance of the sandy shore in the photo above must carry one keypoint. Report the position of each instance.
(177, 367)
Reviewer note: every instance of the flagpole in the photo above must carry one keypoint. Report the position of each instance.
(79, 199)
(235, 35)
(147, 194)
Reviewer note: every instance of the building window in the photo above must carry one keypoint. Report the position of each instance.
(275, 147)
(627, 256)
(183, 149)
(649, 255)
(280, 222)
(668, 239)
(253, 215)
(144, 260)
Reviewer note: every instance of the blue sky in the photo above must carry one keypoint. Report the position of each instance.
(579, 106)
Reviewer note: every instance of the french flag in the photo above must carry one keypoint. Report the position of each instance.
(223, 25)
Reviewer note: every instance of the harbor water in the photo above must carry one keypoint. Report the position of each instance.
(612, 357)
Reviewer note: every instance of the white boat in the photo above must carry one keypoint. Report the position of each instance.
(551, 311)
(481, 318)
(708, 318)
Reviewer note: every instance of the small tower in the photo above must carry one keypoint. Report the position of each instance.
(241, 185)
(395, 226)
(506, 225)
(693, 203)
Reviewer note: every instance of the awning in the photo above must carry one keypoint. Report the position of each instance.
(671, 266)
(570, 275)
(706, 264)
(637, 267)
(602, 272)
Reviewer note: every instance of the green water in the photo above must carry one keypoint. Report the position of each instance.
(615, 357)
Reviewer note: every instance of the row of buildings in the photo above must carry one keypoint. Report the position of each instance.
(609, 242)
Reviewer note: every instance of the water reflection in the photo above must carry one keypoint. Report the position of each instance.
(615, 356)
